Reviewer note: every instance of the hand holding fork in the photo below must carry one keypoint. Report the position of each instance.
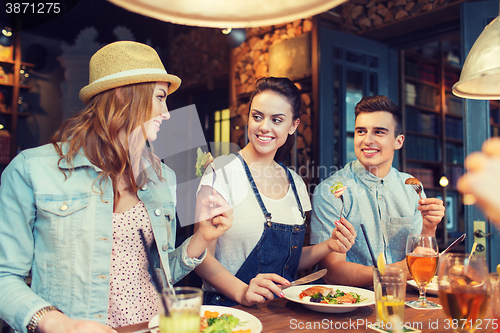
(432, 209)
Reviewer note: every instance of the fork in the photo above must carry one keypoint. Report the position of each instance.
(214, 177)
(418, 189)
(341, 209)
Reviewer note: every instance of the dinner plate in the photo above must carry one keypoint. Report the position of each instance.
(368, 297)
(432, 288)
(247, 321)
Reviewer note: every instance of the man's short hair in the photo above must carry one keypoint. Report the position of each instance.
(381, 103)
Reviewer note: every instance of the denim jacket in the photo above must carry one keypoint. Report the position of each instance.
(60, 229)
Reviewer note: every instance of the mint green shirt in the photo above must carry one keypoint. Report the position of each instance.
(386, 206)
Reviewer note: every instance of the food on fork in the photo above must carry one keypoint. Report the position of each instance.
(412, 181)
(202, 161)
(338, 189)
(417, 186)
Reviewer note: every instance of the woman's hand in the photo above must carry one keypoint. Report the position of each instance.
(218, 217)
(214, 216)
(57, 322)
(343, 236)
(261, 288)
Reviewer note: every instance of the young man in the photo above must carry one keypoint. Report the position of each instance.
(376, 196)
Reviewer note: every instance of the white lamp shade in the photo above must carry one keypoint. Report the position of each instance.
(228, 13)
(480, 76)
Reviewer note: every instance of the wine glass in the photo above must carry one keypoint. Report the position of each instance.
(422, 258)
(464, 285)
(495, 297)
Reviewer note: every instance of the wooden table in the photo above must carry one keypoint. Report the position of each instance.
(281, 315)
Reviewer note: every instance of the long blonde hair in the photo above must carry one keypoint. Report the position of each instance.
(96, 130)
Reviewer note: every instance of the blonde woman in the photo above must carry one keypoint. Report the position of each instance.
(72, 209)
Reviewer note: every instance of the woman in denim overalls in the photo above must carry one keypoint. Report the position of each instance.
(263, 249)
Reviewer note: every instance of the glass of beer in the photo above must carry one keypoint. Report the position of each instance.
(183, 315)
(422, 258)
(389, 285)
(464, 284)
(495, 299)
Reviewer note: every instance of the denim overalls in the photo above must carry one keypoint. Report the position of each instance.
(278, 250)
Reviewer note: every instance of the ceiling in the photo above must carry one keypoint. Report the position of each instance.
(105, 16)
(419, 28)
(101, 14)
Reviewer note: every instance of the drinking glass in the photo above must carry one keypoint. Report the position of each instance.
(422, 258)
(464, 284)
(389, 285)
(183, 310)
(495, 299)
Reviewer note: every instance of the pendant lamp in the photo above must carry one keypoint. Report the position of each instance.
(6, 36)
(228, 13)
(480, 76)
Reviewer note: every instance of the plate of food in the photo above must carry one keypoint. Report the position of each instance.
(221, 319)
(330, 298)
(432, 288)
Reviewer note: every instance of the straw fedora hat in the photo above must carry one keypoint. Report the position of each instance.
(122, 63)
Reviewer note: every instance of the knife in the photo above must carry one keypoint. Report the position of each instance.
(306, 279)
(457, 241)
(135, 328)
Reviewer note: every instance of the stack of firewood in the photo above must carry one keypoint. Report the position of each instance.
(251, 63)
(304, 140)
(362, 15)
(200, 56)
(252, 57)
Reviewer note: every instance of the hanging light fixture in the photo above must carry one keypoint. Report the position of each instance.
(228, 13)
(5, 36)
(443, 181)
(235, 37)
(480, 76)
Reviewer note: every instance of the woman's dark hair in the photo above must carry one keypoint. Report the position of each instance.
(381, 103)
(285, 88)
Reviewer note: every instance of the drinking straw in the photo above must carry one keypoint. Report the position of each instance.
(369, 247)
(472, 251)
(152, 272)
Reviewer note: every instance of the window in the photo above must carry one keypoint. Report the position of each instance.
(221, 132)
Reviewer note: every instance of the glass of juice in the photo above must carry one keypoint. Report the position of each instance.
(389, 284)
(464, 284)
(183, 315)
(495, 300)
(422, 259)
